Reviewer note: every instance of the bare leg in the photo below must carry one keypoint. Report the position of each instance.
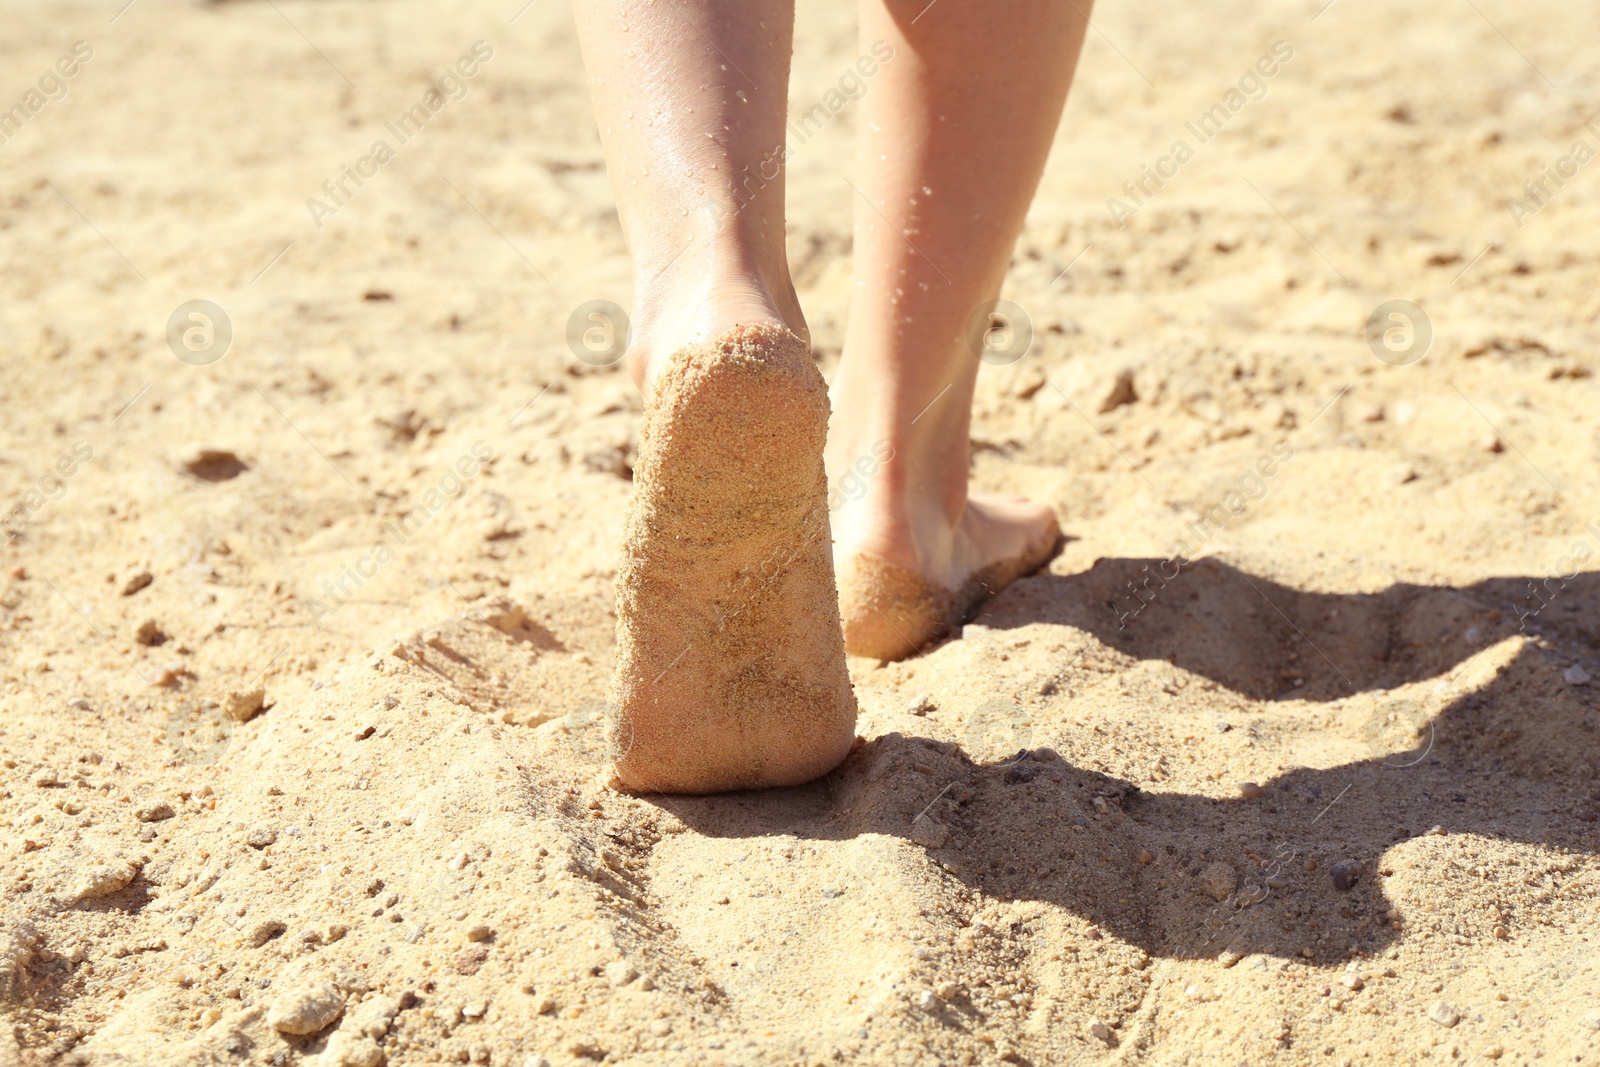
(690, 98)
(730, 659)
(955, 131)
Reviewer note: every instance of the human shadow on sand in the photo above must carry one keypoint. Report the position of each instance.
(1511, 757)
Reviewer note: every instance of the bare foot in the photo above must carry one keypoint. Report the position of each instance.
(894, 603)
(730, 666)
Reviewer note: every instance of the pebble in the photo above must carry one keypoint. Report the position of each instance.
(1100, 1030)
(928, 833)
(305, 1009)
(922, 704)
(1219, 880)
(103, 879)
(926, 1000)
(349, 1050)
(1250, 790)
(1352, 982)
(149, 634)
(242, 707)
(1576, 675)
(263, 931)
(480, 932)
(1443, 1014)
(81, 703)
(152, 811)
(621, 972)
(1224, 727)
(373, 1016)
(946, 990)
(476, 1009)
(1018, 773)
(1345, 874)
(260, 836)
(137, 582)
(1145, 856)
(46, 778)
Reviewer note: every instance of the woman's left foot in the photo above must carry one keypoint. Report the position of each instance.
(904, 584)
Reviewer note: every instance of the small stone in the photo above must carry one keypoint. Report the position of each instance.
(1100, 1031)
(242, 707)
(546, 1006)
(946, 991)
(103, 879)
(926, 1000)
(928, 833)
(150, 634)
(621, 972)
(1576, 675)
(1309, 865)
(1223, 727)
(1444, 1014)
(351, 1050)
(1250, 790)
(137, 582)
(831, 893)
(1229, 956)
(476, 1009)
(305, 1009)
(1219, 880)
(1122, 392)
(152, 811)
(922, 704)
(479, 932)
(1145, 857)
(1352, 982)
(1018, 773)
(471, 960)
(46, 778)
(81, 703)
(264, 931)
(1345, 874)
(260, 836)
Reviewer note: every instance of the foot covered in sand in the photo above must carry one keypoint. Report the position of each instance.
(730, 661)
(891, 607)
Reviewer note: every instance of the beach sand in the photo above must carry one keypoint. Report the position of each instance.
(1284, 759)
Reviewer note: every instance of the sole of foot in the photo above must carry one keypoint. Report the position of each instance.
(730, 669)
(890, 612)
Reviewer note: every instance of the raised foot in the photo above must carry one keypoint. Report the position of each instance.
(730, 660)
(890, 611)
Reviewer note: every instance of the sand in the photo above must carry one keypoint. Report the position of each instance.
(394, 505)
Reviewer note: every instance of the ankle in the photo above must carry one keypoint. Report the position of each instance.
(720, 280)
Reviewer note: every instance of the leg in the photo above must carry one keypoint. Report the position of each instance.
(730, 660)
(950, 154)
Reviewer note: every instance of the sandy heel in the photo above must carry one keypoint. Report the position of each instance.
(730, 668)
(890, 612)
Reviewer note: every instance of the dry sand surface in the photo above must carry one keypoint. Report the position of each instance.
(408, 854)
